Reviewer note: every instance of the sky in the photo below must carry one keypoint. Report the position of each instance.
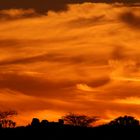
(69, 56)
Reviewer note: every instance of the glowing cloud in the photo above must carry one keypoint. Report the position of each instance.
(84, 87)
(129, 100)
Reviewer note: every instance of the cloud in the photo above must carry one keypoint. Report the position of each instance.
(12, 14)
(55, 5)
(83, 22)
(93, 84)
(84, 87)
(129, 100)
(21, 102)
(118, 53)
(38, 5)
(34, 86)
(101, 81)
(131, 19)
(48, 57)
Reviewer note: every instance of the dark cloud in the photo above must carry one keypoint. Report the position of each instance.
(35, 86)
(14, 14)
(46, 5)
(18, 43)
(8, 43)
(99, 82)
(109, 108)
(83, 22)
(131, 19)
(38, 5)
(124, 90)
(28, 43)
(30, 103)
(118, 53)
(55, 57)
(39, 58)
(25, 60)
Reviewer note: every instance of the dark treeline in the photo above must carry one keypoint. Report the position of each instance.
(71, 126)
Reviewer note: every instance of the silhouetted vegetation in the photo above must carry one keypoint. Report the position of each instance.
(5, 122)
(126, 121)
(35, 123)
(79, 120)
(72, 126)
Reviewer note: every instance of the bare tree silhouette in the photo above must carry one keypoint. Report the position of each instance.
(79, 120)
(5, 122)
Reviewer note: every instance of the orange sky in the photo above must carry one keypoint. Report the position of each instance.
(84, 60)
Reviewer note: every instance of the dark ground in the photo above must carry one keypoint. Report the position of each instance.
(71, 133)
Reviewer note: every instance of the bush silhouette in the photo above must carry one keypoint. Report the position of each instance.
(44, 123)
(126, 121)
(35, 123)
(61, 121)
(79, 120)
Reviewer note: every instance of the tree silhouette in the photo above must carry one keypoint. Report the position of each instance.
(79, 120)
(125, 121)
(35, 123)
(5, 122)
(61, 121)
(44, 123)
(8, 124)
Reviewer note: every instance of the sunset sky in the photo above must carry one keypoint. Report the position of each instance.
(60, 56)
